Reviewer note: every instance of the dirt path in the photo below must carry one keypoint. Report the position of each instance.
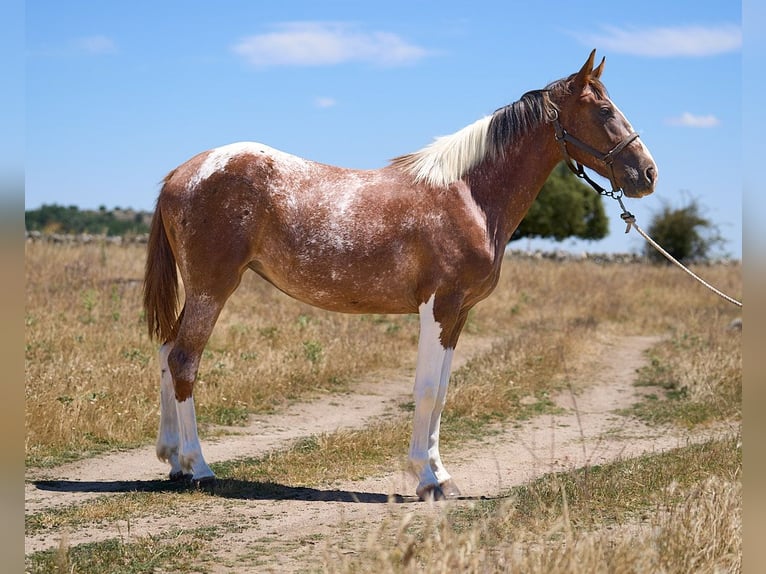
(280, 533)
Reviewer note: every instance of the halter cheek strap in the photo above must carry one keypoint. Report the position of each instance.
(562, 137)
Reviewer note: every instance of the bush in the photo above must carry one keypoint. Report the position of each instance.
(684, 233)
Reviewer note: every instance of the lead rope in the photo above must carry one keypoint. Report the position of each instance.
(630, 221)
(562, 137)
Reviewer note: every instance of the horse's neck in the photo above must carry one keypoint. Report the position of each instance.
(506, 187)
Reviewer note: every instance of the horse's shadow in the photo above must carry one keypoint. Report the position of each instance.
(226, 488)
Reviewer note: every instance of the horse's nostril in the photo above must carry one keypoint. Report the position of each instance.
(651, 174)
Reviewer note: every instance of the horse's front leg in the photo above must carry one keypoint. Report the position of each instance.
(448, 487)
(431, 381)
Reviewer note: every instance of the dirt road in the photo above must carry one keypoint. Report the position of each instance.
(281, 531)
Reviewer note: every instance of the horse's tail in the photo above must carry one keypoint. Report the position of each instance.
(160, 283)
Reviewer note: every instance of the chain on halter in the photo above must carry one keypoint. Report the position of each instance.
(563, 137)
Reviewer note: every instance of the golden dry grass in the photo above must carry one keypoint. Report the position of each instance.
(92, 384)
(545, 528)
(91, 372)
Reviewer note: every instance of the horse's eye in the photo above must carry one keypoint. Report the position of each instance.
(605, 111)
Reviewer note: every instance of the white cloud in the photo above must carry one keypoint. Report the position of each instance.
(325, 44)
(325, 102)
(98, 44)
(688, 120)
(663, 42)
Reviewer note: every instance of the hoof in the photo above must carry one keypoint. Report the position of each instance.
(180, 476)
(435, 492)
(206, 483)
(449, 489)
(430, 493)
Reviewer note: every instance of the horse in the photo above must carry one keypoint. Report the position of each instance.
(424, 234)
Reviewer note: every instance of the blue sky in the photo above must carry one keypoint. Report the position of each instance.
(118, 94)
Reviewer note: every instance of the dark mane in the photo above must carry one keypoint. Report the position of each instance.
(535, 107)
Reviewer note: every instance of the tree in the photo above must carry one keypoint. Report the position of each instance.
(60, 219)
(683, 232)
(566, 207)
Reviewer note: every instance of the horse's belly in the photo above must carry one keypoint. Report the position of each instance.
(344, 290)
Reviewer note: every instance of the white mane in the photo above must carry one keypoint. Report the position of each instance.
(448, 158)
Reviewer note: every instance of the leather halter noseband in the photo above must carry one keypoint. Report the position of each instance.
(562, 137)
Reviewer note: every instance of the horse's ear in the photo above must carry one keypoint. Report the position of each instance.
(581, 79)
(600, 69)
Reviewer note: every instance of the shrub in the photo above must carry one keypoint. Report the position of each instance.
(683, 232)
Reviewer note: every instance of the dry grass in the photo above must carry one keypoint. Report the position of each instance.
(698, 375)
(692, 526)
(92, 384)
(175, 551)
(91, 380)
(91, 372)
(102, 509)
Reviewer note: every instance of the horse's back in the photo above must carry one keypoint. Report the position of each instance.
(226, 189)
(342, 239)
(243, 161)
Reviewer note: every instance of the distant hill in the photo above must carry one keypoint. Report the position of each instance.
(50, 219)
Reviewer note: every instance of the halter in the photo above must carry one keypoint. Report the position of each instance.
(562, 137)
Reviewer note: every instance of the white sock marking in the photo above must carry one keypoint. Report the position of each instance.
(190, 455)
(177, 440)
(431, 379)
(167, 437)
(434, 457)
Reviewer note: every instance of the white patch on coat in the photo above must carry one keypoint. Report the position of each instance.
(218, 158)
(644, 149)
(333, 217)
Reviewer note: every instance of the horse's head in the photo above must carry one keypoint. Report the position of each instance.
(592, 131)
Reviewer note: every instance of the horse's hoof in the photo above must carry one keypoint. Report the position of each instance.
(449, 489)
(435, 492)
(206, 483)
(430, 493)
(179, 476)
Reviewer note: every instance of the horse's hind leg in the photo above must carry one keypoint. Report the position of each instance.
(200, 313)
(168, 439)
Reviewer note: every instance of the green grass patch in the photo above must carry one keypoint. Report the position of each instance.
(673, 409)
(123, 506)
(175, 551)
(87, 446)
(612, 493)
(698, 377)
(223, 414)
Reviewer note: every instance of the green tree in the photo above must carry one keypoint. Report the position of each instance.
(60, 219)
(683, 232)
(566, 207)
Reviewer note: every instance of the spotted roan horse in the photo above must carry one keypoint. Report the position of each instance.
(425, 234)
